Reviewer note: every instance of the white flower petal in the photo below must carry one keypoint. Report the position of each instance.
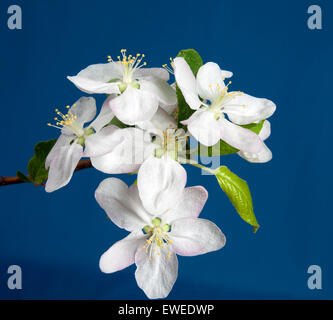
(157, 277)
(160, 88)
(170, 109)
(84, 109)
(245, 109)
(159, 122)
(101, 142)
(239, 137)
(192, 236)
(265, 131)
(263, 156)
(105, 115)
(161, 183)
(96, 77)
(122, 204)
(131, 146)
(62, 166)
(226, 74)
(203, 126)
(189, 205)
(186, 82)
(209, 81)
(91, 86)
(63, 140)
(122, 253)
(159, 73)
(134, 105)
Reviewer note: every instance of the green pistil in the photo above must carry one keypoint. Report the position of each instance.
(157, 224)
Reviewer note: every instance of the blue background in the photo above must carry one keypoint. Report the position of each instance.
(58, 238)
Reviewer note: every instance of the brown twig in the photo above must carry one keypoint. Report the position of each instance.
(6, 181)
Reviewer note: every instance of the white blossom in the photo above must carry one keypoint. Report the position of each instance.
(162, 218)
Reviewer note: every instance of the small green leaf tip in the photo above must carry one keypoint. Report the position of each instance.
(22, 176)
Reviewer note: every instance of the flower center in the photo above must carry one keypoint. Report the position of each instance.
(222, 98)
(158, 238)
(68, 121)
(130, 64)
(172, 142)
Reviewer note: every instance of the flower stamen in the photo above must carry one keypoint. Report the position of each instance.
(171, 68)
(158, 238)
(68, 121)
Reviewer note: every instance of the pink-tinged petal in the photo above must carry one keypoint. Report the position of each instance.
(161, 183)
(189, 205)
(156, 277)
(191, 236)
(122, 253)
(160, 88)
(209, 81)
(63, 140)
(186, 82)
(245, 109)
(239, 137)
(204, 127)
(96, 77)
(159, 73)
(62, 166)
(134, 105)
(122, 204)
(129, 147)
(101, 142)
(105, 115)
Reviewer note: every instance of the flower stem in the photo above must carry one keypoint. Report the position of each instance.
(203, 168)
(6, 181)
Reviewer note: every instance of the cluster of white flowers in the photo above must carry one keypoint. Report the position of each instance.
(160, 213)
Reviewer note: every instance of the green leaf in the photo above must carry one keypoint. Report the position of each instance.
(36, 165)
(222, 148)
(194, 60)
(239, 194)
(255, 127)
(116, 122)
(22, 176)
